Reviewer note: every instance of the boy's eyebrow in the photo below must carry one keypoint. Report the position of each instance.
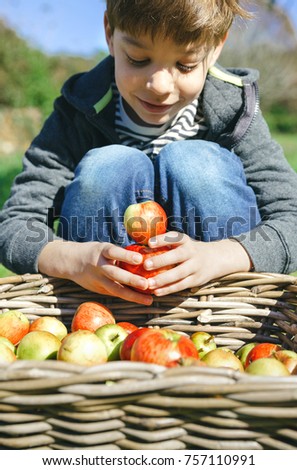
(137, 43)
(133, 41)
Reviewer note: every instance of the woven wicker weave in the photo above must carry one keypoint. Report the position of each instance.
(126, 405)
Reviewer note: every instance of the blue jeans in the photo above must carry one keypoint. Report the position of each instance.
(201, 186)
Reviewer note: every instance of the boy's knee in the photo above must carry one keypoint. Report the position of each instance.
(200, 160)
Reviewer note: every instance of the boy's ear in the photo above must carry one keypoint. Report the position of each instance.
(108, 34)
(217, 51)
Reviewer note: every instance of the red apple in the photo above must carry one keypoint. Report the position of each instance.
(82, 347)
(90, 316)
(50, 324)
(14, 325)
(267, 366)
(222, 358)
(144, 221)
(204, 342)
(38, 345)
(164, 347)
(126, 346)
(6, 354)
(138, 269)
(129, 327)
(260, 351)
(112, 336)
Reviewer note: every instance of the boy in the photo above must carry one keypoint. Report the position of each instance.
(155, 120)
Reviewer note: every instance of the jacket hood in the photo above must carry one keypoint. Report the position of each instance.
(91, 91)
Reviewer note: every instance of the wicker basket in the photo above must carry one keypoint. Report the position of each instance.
(126, 405)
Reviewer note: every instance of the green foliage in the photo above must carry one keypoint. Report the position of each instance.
(281, 120)
(9, 168)
(30, 78)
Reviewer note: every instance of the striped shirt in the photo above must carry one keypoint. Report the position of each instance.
(187, 123)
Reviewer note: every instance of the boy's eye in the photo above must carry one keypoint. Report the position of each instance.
(185, 68)
(137, 63)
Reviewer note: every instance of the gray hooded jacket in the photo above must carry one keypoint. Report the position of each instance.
(83, 119)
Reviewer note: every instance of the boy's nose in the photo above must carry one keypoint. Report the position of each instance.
(161, 82)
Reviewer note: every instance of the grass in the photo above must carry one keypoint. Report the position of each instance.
(10, 166)
(289, 144)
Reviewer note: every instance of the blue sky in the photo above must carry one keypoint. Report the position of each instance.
(69, 26)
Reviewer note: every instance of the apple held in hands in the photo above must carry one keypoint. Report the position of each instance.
(139, 269)
(112, 336)
(164, 347)
(14, 325)
(145, 220)
(90, 316)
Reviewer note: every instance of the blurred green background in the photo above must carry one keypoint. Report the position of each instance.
(30, 80)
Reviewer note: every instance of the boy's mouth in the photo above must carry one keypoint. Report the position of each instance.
(155, 108)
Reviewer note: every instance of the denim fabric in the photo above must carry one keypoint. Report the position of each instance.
(201, 186)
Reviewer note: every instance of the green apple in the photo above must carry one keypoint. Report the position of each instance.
(267, 366)
(7, 343)
(204, 342)
(243, 351)
(112, 336)
(82, 347)
(222, 358)
(6, 354)
(38, 345)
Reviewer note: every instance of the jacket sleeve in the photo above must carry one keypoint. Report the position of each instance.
(272, 245)
(48, 167)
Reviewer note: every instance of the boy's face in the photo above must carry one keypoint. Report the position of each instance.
(157, 78)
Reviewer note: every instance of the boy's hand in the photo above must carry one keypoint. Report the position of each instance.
(196, 262)
(93, 265)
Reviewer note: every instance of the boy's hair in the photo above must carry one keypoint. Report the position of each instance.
(185, 21)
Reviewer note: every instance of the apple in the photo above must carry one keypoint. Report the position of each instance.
(138, 269)
(126, 346)
(90, 316)
(260, 351)
(38, 345)
(222, 358)
(14, 325)
(6, 354)
(204, 342)
(50, 324)
(288, 358)
(82, 347)
(243, 351)
(267, 366)
(145, 220)
(7, 343)
(164, 347)
(129, 327)
(112, 336)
